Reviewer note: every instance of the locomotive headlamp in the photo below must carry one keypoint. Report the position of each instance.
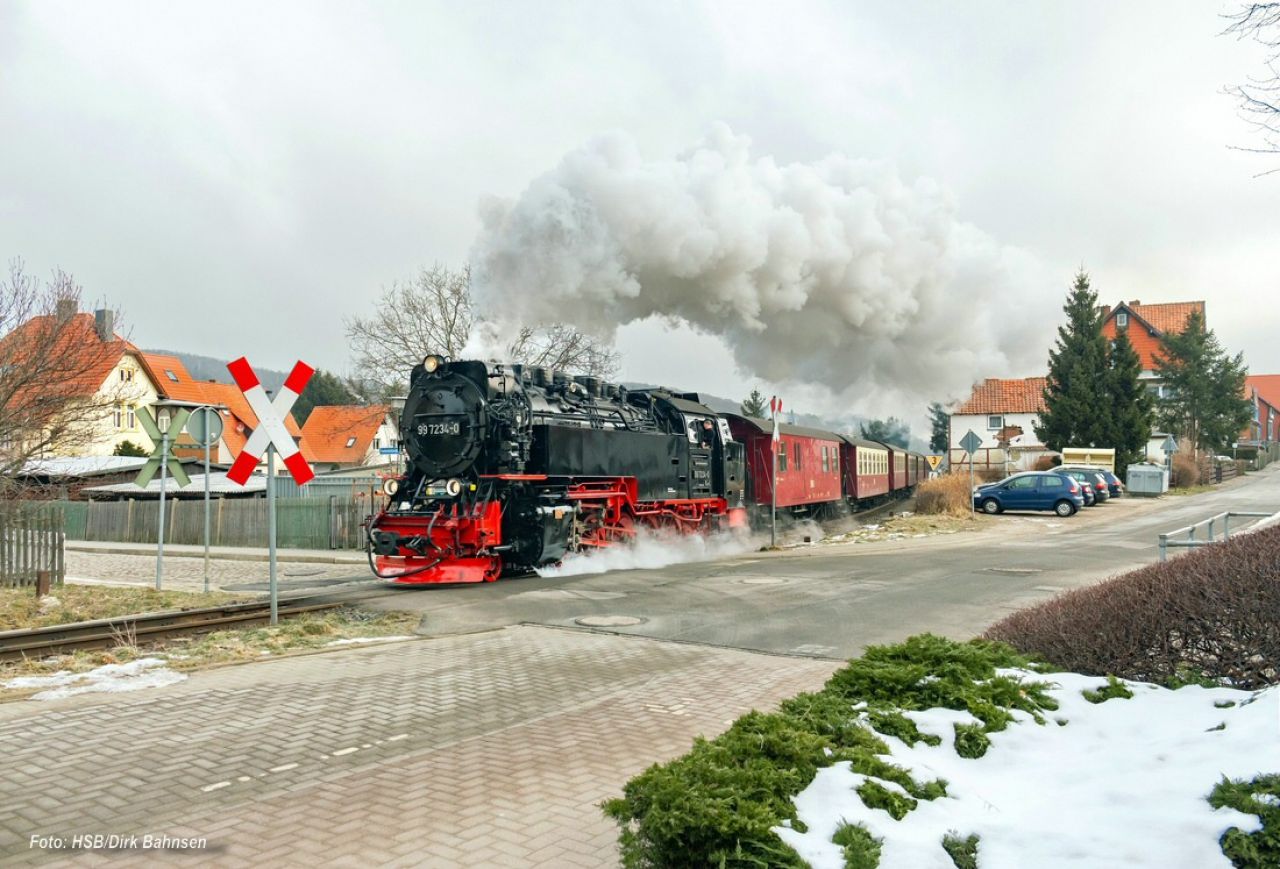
(432, 362)
(453, 487)
(390, 487)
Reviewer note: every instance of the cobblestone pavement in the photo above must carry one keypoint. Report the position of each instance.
(187, 574)
(490, 749)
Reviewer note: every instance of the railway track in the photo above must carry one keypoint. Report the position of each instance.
(148, 627)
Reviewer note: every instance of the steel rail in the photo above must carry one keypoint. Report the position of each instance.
(104, 633)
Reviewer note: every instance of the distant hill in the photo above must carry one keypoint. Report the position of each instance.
(209, 368)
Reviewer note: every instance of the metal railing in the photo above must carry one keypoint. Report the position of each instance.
(1211, 524)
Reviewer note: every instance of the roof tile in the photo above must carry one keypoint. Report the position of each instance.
(1025, 395)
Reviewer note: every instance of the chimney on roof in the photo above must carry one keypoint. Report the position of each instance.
(1135, 302)
(66, 309)
(106, 323)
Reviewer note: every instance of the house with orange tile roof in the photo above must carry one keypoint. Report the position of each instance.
(101, 372)
(1000, 407)
(1263, 392)
(1145, 326)
(348, 436)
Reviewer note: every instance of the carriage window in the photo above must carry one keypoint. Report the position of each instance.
(782, 456)
(795, 454)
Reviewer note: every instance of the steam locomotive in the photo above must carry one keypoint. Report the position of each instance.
(512, 467)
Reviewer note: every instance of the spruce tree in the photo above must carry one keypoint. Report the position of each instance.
(940, 423)
(1204, 387)
(1076, 410)
(1130, 405)
(754, 405)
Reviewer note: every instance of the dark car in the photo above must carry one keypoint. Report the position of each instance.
(1095, 487)
(1033, 490)
(1105, 480)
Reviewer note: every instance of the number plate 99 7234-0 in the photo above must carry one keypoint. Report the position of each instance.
(440, 428)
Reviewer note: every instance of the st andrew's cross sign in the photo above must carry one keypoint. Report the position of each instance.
(271, 414)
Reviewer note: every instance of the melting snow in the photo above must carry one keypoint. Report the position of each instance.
(1122, 783)
(355, 640)
(133, 676)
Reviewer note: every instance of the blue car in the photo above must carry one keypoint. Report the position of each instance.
(1034, 490)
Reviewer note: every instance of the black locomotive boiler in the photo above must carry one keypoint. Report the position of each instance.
(512, 467)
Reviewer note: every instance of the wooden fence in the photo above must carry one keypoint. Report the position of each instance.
(31, 540)
(301, 523)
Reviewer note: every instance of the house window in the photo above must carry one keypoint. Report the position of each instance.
(377, 443)
(351, 442)
(126, 374)
(171, 375)
(1122, 320)
(995, 423)
(118, 415)
(133, 420)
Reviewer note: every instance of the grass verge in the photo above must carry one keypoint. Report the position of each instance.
(309, 632)
(20, 609)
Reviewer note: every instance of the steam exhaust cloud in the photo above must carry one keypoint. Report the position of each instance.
(835, 272)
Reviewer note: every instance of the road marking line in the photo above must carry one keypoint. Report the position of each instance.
(215, 786)
(397, 737)
(244, 778)
(283, 767)
(343, 751)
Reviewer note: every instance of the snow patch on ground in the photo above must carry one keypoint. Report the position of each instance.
(110, 678)
(357, 640)
(1122, 783)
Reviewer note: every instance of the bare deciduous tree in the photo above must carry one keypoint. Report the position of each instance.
(434, 313)
(1260, 98)
(55, 396)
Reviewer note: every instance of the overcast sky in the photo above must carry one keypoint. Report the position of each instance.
(239, 178)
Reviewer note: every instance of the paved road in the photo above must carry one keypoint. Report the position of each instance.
(485, 745)
(836, 600)
(489, 749)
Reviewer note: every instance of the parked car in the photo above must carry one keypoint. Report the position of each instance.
(1102, 478)
(1113, 483)
(1095, 488)
(1033, 490)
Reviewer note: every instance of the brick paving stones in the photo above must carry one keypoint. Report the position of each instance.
(488, 749)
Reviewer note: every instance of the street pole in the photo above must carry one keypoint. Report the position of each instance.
(164, 462)
(206, 505)
(971, 507)
(773, 497)
(271, 529)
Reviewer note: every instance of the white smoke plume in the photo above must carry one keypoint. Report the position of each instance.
(835, 272)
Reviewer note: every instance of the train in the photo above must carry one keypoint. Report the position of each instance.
(513, 467)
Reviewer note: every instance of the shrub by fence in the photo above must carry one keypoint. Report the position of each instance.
(1184, 472)
(948, 494)
(1213, 613)
(301, 523)
(31, 540)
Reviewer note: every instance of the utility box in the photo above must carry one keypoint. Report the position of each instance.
(1147, 480)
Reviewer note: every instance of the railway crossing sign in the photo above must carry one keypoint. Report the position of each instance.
(164, 446)
(971, 442)
(271, 430)
(934, 461)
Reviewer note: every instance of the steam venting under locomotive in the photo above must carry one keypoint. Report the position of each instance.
(512, 467)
